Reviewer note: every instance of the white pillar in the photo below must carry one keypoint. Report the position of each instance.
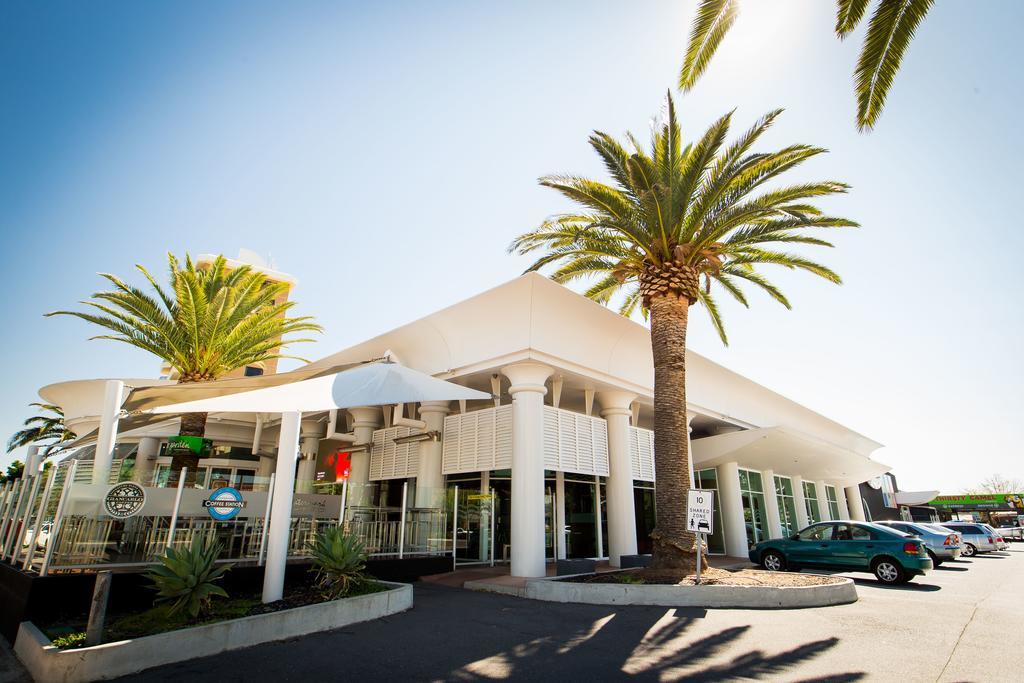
(429, 479)
(145, 459)
(855, 503)
(799, 502)
(689, 446)
(619, 485)
(560, 515)
(771, 504)
(731, 506)
(33, 460)
(844, 509)
(266, 466)
(823, 511)
(107, 435)
(279, 533)
(364, 422)
(527, 393)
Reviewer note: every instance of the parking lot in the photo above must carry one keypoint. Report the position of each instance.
(963, 621)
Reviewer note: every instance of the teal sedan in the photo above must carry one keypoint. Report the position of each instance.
(892, 556)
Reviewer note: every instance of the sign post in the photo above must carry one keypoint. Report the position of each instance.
(700, 518)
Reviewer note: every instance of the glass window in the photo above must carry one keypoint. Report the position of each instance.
(220, 477)
(819, 532)
(754, 516)
(833, 501)
(253, 371)
(811, 502)
(163, 475)
(787, 505)
(244, 479)
(859, 533)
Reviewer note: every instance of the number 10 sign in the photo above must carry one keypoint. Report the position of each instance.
(699, 516)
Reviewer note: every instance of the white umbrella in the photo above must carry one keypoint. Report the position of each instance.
(373, 384)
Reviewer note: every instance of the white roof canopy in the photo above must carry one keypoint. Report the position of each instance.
(382, 383)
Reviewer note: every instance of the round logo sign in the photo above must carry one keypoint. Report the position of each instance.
(124, 500)
(224, 503)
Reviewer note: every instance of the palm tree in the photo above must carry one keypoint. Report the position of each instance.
(676, 221)
(38, 428)
(890, 30)
(212, 319)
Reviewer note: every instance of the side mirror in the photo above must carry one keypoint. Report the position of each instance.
(795, 537)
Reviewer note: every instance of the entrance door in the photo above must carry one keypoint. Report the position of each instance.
(580, 518)
(473, 510)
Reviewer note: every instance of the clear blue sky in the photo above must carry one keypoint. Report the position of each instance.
(387, 153)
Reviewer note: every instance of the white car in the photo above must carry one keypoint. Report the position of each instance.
(1001, 543)
(1011, 533)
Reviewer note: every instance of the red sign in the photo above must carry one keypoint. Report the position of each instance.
(334, 467)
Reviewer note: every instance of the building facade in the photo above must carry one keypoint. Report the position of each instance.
(559, 462)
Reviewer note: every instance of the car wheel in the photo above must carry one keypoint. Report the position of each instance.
(773, 561)
(968, 550)
(935, 560)
(889, 571)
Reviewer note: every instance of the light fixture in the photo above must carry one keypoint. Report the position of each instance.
(361, 448)
(432, 435)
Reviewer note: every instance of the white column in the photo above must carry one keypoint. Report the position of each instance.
(364, 422)
(854, 502)
(32, 460)
(771, 504)
(429, 478)
(110, 415)
(560, 515)
(823, 511)
(527, 393)
(281, 510)
(731, 506)
(266, 466)
(844, 509)
(689, 446)
(145, 459)
(619, 486)
(309, 446)
(799, 502)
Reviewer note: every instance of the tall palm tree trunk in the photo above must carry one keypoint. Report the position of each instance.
(192, 424)
(674, 546)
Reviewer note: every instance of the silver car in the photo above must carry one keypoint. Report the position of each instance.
(1001, 542)
(941, 545)
(977, 539)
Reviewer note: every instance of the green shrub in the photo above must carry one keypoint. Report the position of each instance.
(339, 561)
(186, 577)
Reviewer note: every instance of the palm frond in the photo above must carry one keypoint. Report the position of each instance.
(714, 19)
(848, 15)
(890, 31)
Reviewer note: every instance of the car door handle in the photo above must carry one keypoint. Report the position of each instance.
(823, 545)
(870, 545)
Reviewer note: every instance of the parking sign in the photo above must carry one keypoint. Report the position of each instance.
(699, 511)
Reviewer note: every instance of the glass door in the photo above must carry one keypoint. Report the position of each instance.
(787, 505)
(752, 493)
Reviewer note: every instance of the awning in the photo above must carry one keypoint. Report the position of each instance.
(788, 453)
(144, 399)
(370, 384)
(915, 497)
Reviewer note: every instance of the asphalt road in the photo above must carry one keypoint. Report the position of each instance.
(962, 622)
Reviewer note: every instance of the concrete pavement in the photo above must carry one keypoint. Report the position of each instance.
(964, 621)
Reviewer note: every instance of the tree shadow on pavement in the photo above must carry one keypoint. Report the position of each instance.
(459, 635)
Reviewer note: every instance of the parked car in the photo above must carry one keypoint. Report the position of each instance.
(1001, 543)
(1011, 533)
(977, 539)
(941, 545)
(892, 556)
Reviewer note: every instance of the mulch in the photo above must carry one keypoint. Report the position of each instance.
(709, 577)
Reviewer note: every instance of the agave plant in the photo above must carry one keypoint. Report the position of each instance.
(186, 577)
(339, 560)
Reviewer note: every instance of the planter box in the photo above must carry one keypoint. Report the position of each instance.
(577, 566)
(742, 597)
(632, 561)
(110, 660)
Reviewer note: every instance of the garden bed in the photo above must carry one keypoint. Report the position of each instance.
(743, 589)
(709, 577)
(294, 616)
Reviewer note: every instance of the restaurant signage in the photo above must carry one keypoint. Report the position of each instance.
(1010, 501)
(225, 503)
(124, 500)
